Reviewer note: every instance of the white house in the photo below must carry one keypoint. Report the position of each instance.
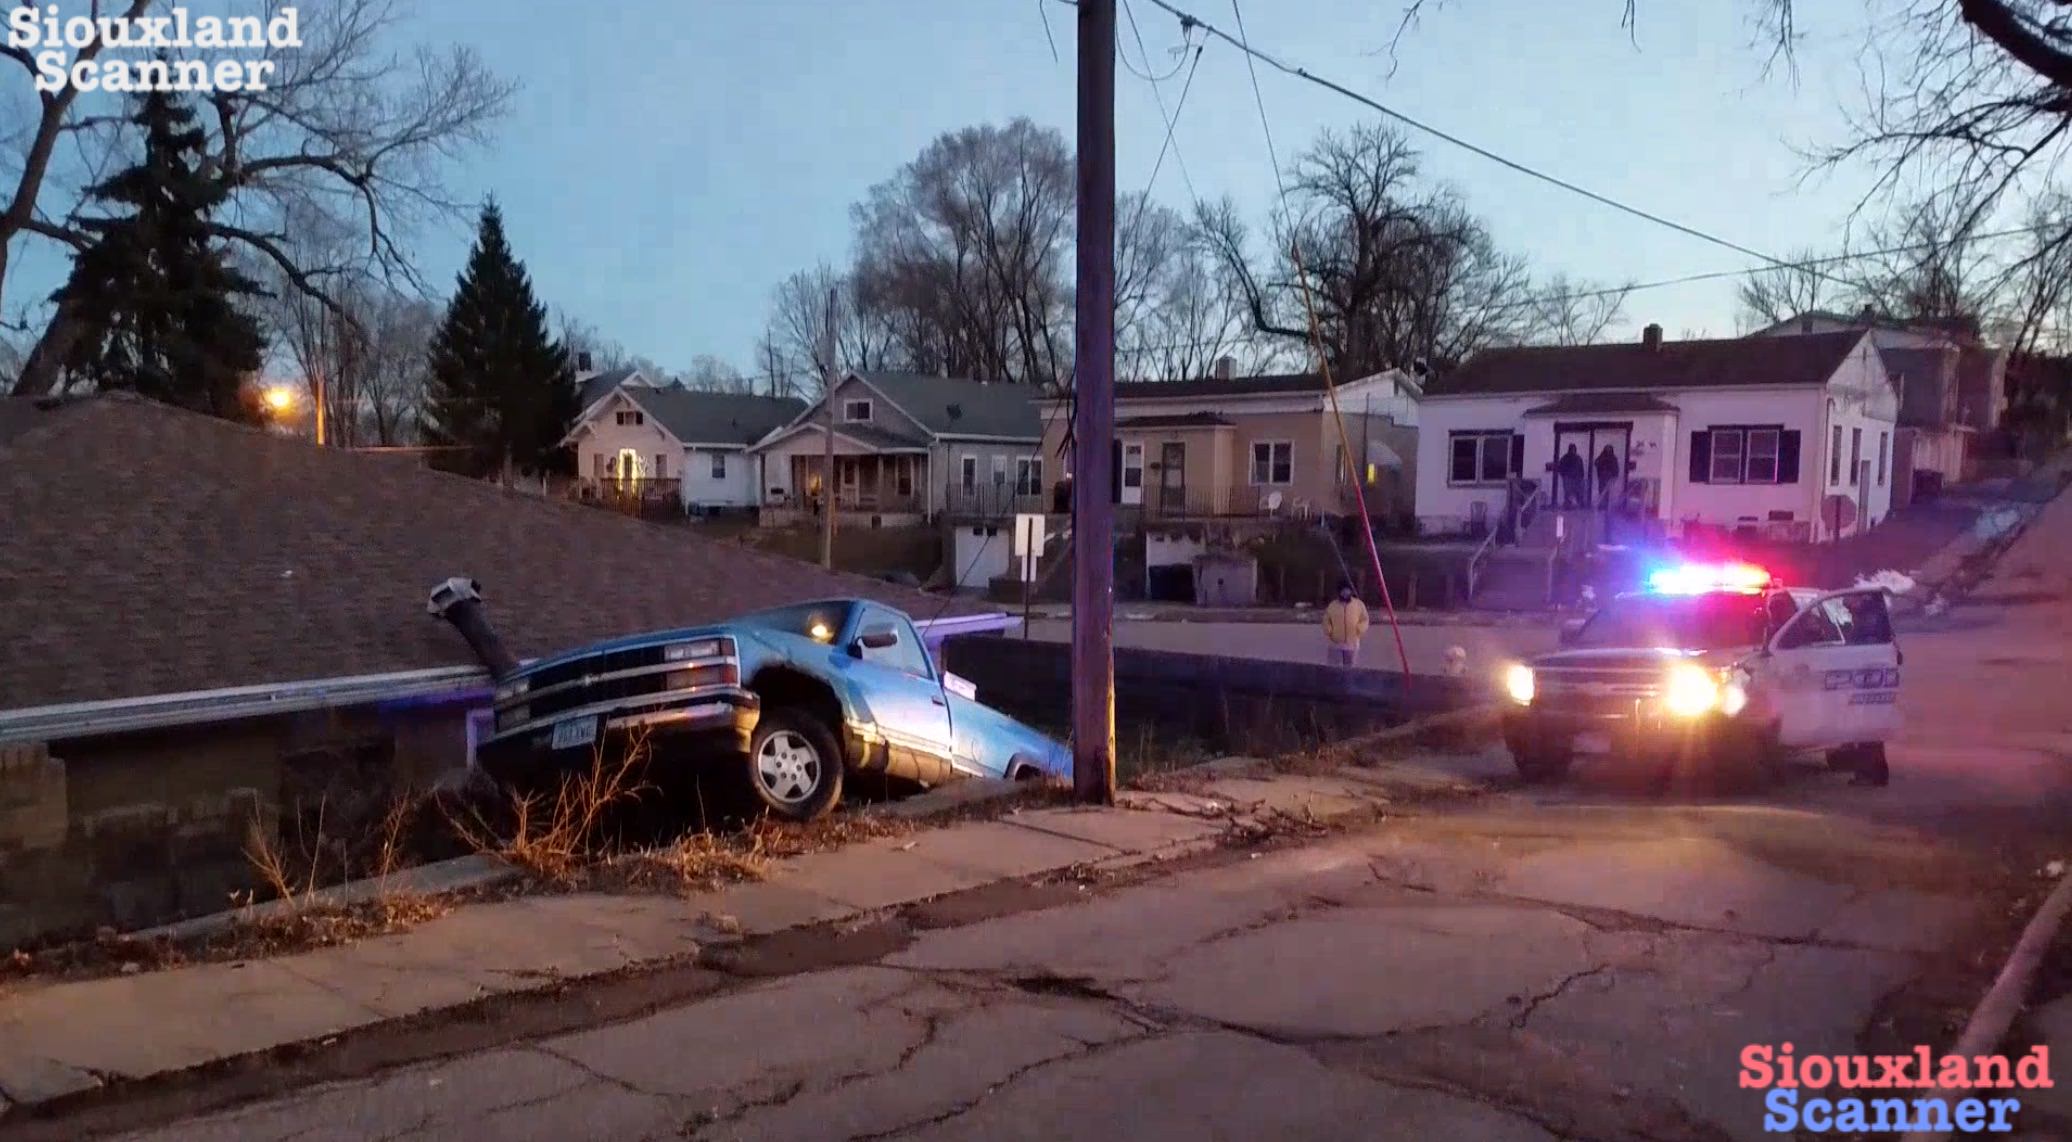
(641, 441)
(1788, 437)
(908, 448)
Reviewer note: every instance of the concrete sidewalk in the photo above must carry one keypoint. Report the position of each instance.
(60, 1039)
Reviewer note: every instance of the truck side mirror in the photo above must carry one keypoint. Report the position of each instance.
(877, 638)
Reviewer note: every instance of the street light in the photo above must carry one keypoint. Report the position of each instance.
(279, 399)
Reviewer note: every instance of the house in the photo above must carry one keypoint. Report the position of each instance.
(228, 622)
(1789, 437)
(1952, 388)
(908, 448)
(639, 441)
(1226, 446)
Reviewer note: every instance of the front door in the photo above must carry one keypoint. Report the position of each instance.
(1590, 441)
(628, 465)
(1833, 672)
(905, 698)
(1172, 477)
(1132, 474)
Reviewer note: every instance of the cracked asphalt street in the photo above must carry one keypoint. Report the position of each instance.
(1582, 962)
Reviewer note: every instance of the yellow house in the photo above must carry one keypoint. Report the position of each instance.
(1229, 446)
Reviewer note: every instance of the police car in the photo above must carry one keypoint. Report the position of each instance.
(1713, 664)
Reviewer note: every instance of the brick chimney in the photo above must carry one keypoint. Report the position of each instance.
(1224, 369)
(1651, 337)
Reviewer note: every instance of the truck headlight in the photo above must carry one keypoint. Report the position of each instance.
(515, 716)
(1518, 683)
(1693, 690)
(685, 651)
(512, 689)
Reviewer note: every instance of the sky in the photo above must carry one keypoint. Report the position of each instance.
(668, 162)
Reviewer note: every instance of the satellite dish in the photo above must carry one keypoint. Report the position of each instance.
(1273, 502)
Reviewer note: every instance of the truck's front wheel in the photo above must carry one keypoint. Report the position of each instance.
(794, 765)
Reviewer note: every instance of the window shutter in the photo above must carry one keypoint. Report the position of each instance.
(1115, 472)
(1701, 456)
(1517, 454)
(1788, 456)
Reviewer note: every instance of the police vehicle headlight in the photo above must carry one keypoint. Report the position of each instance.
(1518, 683)
(1692, 690)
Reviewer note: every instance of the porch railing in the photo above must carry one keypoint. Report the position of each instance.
(999, 501)
(1508, 531)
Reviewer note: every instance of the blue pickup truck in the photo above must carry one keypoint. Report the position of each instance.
(792, 697)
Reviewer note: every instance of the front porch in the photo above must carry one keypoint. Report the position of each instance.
(864, 485)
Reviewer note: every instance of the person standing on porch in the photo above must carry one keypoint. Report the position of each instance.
(1345, 623)
(1607, 476)
(1572, 474)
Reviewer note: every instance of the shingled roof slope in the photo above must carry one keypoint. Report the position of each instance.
(150, 550)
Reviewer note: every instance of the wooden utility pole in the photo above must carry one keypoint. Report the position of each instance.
(1093, 417)
(827, 470)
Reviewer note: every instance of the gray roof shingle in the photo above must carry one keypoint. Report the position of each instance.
(1801, 360)
(695, 417)
(150, 550)
(946, 406)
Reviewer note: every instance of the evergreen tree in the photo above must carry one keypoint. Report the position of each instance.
(499, 385)
(154, 288)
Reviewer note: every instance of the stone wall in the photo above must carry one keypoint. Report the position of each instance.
(1238, 704)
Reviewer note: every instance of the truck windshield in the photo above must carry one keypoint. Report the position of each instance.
(1685, 622)
(820, 622)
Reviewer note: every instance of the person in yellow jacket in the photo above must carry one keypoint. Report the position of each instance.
(1345, 623)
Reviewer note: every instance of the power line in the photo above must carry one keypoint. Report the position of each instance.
(1172, 121)
(1241, 42)
(1145, 75)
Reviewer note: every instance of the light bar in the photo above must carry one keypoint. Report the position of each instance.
(1700, 578)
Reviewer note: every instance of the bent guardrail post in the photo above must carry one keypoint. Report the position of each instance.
(459, 601)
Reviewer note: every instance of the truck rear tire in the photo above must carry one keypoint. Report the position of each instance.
(794, 765)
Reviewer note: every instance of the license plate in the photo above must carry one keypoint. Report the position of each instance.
(575, 732)
(1593, 743)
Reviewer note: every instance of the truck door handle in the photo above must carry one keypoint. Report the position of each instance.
(938, 701)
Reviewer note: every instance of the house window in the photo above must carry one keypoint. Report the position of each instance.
(1028, 476)
(601, 466)
(855, 411)
(1746, 454)
(1273, 462)
(1726, 456)
(1762, 456)
(1834, 459)
(999, 471)
(1884, 440)
(1479, 458)
(661, 465)
(629, 416)
(903, 474)
(968, 479)
(719, 465)
(1855, 452)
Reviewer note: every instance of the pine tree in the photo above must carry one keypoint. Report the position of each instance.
(154, 286)
(500, 386)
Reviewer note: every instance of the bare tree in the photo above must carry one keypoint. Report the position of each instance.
(1397, 271)
(1563, 312)
(798, 321)
(962, 254)
(1930, 270)
(396, 364)
(347, 129)
(580, 337)
(713, 375)
(1776, 293)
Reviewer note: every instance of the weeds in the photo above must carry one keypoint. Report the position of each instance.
(554, 837)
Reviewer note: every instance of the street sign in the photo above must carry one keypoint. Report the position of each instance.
(1028, 543)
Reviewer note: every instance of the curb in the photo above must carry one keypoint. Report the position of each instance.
(2004, 1000)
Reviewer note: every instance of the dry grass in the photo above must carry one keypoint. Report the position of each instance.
(703, 861)
(554, 837)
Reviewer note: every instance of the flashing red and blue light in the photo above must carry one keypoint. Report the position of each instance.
(1700, 578)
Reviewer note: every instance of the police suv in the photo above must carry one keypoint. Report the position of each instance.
(1711, 665)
